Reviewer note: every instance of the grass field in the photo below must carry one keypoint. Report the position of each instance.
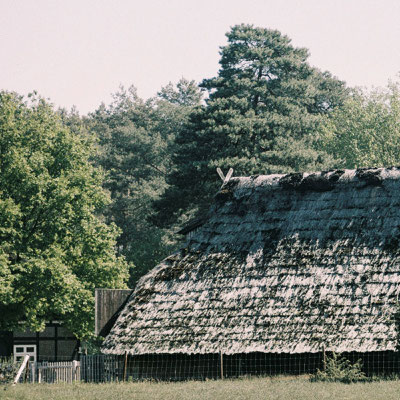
(257, 388)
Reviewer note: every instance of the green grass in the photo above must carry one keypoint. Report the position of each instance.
(256, 388)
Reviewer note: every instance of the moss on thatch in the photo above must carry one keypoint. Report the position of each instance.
(283, 264)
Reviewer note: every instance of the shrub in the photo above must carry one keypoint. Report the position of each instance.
(339, 369)
(8, 370)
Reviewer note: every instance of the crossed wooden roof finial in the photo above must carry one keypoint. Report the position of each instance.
(226, 178)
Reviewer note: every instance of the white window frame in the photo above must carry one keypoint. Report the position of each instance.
(19, 355)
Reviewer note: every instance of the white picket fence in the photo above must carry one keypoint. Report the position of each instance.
(56, 372)
(51, 372)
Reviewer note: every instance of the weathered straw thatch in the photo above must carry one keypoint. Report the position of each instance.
(284, 264)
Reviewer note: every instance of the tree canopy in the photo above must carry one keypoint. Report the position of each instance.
(136, 140)
(365, 130)
(95, 201)
(54, 247)
(261, 116)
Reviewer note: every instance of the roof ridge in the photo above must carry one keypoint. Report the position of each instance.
(313, 181)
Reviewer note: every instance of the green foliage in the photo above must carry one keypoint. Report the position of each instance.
(8, 370)
(261, 117)
(365, 131)
(54, 247)
(136, 139)
(184, 93)
(339, 369)
(92, 345)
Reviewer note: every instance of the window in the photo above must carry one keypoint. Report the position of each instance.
(21, 350)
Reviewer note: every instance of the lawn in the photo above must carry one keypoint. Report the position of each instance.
(255, 388)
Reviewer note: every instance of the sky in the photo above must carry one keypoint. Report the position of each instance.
(78, 52)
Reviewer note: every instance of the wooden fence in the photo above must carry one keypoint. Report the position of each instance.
(52, 372)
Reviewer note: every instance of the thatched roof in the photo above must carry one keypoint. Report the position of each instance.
(285, 263)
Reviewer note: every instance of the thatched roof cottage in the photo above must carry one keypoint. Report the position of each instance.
(288, 264)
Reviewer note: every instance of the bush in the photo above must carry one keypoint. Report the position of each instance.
(92, 345)
(8, 370)
(339, 369)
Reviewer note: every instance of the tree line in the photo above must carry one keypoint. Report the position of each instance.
(95, 201)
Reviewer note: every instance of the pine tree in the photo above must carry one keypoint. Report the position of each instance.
(261, 115)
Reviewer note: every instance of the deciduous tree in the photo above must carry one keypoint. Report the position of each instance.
(54, 247)
(365, 131)
(136, 140)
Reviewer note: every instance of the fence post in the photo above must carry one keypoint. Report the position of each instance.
(33, 372)
(74, 370)
(222, 364)
(21, 368)
(125, 366)
(324, 357)
(39, 374)
(26, 371)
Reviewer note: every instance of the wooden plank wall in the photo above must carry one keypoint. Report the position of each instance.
(107, 303)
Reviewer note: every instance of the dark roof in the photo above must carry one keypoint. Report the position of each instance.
(193, 225)
(285, 263)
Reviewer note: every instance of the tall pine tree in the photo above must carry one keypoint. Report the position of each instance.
(261, 115)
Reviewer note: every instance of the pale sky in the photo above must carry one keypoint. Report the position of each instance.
(77, 52)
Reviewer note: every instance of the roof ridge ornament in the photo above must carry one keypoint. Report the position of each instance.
(226, 178)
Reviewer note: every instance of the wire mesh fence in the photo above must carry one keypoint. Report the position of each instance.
(178, 367)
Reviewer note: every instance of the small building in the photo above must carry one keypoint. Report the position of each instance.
(54, 343)
(284, 269)
(57, 343)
